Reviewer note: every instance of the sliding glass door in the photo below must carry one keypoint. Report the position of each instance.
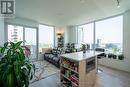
(30, 41)
(27, 34)
(43, 37)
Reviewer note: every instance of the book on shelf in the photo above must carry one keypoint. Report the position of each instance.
(69, 73)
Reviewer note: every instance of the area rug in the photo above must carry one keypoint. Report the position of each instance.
(43, 69)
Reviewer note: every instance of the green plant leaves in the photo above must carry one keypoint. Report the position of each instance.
(10, 80)
(2, 50)
(9, 55)
(6, 44)
(17, 45)
(15, 70)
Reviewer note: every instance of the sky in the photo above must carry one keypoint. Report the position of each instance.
(108, 30)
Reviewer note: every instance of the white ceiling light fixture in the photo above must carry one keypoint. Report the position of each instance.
(118, 3)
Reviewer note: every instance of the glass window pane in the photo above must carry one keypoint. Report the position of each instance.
(15, 33)
(30, 41)
(109, 33)
(30, 36)
(46, 37)
(86, 32)
(80, 35)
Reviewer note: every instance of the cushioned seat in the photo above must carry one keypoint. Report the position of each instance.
(53, 56)
(55, 59)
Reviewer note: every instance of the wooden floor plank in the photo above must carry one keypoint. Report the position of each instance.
(108, 78)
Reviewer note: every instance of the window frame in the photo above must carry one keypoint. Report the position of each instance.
(94, 27)
(93, 36)
(53, 34)
(107, 20)
(24, 26)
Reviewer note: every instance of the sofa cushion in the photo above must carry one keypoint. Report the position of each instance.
(49, 56)
(55, 59)
(54, 56)
(59, 50)
(54, 51)
(46, 50)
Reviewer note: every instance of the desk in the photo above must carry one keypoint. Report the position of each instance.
(82, 65)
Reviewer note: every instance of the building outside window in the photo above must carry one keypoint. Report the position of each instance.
(109, 34)
(15, 33)
(27, 35)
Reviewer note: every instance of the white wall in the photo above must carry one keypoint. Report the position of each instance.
(1, 31)
(70, 34)
(58, 29)
(122, 64)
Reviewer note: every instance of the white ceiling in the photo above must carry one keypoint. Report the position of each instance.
(68, 12)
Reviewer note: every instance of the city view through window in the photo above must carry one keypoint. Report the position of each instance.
(46, 37)
(15, 33)
(108, 34)
(29, 36)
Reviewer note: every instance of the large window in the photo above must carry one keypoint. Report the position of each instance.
(109, 33)
(86, 34)
(28, 35)
(46, 37)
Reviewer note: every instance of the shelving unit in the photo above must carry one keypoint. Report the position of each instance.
(60, 40)
(78, 70)
(69, 73)
(69, 69)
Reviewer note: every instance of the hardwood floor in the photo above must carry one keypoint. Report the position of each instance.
(108, 78)
(51, 81)
(112, 78)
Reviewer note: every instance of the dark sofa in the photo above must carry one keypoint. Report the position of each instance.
(54, 56)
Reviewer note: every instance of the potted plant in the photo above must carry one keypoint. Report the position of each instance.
(121, 57)
(84, 47)
(15, 68)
